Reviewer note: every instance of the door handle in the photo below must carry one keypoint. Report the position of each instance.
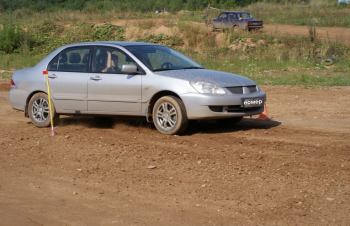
(53, 76)
(96, 78)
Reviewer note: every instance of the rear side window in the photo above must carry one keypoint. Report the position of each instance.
(71, 60)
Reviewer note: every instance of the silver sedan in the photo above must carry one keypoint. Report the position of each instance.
(135, 79)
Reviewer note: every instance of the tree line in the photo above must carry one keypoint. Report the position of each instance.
(136, 5)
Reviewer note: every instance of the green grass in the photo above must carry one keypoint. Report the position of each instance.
(267, 72)
(14, 61)
(327, 13)
(322, 15)
(264, 58)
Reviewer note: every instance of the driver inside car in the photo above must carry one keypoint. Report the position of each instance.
(111, 63)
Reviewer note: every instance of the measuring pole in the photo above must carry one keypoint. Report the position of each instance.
(46, 74)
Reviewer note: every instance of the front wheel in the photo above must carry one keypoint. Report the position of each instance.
(39, 112)
(169, 115)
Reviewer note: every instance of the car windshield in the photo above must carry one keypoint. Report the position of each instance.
(244, 15)
(161, 58)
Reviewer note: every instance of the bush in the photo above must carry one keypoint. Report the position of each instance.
(164, 40)
(122, 5)
(11, 38)
(107, 32)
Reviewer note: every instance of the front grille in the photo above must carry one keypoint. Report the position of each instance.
(233, 108)
(252, 89)
(242, 89)
(236, 90)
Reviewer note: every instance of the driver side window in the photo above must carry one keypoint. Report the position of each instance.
(109, 60)
(233, 17)
(223, 16)
(162, 59)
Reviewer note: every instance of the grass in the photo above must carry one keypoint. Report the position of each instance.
(327, 14)
(264, 58)
(267, 72)
(323, 15)
(14, 61)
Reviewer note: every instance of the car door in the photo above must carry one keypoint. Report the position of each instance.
(109, 90)
(233, 18)
(223, 20)
(68, 74)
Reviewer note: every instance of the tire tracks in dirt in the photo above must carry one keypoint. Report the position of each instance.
(255, 173)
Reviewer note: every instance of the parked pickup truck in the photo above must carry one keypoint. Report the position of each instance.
(236, 20)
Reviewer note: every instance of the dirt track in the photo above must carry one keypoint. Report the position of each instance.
(294, 170)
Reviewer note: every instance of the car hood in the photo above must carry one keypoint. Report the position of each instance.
(222, 79)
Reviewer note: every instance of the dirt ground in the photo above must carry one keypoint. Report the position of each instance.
(294, 170)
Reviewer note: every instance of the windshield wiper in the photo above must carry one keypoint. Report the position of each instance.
(165, 69)
(190, 68)
(172, 69)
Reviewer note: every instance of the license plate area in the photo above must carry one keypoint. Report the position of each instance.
(252, 102)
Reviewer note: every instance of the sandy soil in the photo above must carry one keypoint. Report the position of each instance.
(294, 170)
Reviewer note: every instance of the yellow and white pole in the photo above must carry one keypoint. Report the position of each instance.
(46, 74)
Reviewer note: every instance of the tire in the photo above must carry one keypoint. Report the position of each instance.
(169, 115)
(38, 110)
(229, 121)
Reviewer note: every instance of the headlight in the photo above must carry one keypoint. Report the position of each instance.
(207, 88)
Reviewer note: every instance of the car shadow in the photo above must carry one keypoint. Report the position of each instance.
(210, 126)
(87, 121)
(244, 125)
(104, 122)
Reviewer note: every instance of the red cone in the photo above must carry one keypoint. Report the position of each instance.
(264, 115)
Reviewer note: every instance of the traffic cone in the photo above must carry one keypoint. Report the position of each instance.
(264, 115)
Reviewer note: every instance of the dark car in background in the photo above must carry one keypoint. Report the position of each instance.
(236, 20)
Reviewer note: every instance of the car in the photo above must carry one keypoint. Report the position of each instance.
(236, 20)
(132, 79)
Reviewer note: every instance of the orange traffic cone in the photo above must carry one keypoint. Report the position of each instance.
(264, 115)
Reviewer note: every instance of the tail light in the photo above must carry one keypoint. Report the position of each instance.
(12, 84)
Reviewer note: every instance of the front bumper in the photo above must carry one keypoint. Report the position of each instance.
(200, 106)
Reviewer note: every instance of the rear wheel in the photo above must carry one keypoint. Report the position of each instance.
(169, 115)
(39, 112)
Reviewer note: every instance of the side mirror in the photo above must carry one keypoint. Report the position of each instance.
(130, 69)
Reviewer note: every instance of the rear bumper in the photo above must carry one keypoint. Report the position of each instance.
(199, 106)
(255, 27)
(17, 98)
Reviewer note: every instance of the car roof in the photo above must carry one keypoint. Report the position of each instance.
(116, 43)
